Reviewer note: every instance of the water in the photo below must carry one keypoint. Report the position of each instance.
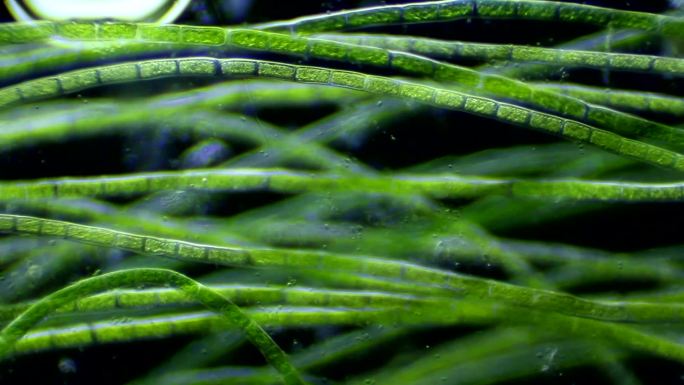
(376, 239)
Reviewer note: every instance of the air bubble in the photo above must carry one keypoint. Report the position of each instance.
(67, 365)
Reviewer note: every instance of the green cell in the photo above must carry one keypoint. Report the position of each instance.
(7, 223)
(420, 13)
(192, 252)
(661, 157)
(497, 9)
(239, 67)
(599, 116)
(160, 33)
(512, 114)
(124, 187)
(9, 97)
(536, 10)
(160, 247)
(522, 54)
(576, 131)
(480, 106)
(78, 335)
(606, 140)
(39, 89)
(78, 30)
(251, 39)
(54, 228)
(637, 20)
(377, 57)
(29, 225)
(636, 62)
(157, 69)
(423, 47)
(589, 15)
(450, 99)
(314, 75)
(206, 67)
(578, 58)
(203, 35)
(27, 32)
(412, 63)
(118, 73)
(502, 86)
(382, 86)
(118, 30)
(129, 242)
(316, 24)
(668, 65)
(287, 44)
(79, 189)
(89, 235)
(417, 92)
(621, 99)
(631, 148)
(376, 16)
(546, 123)
(454, 10)
(328, 50)
(348, 79)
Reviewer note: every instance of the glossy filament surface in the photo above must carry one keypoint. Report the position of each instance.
(131, 10)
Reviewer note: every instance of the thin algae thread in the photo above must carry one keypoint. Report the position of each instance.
(281, 180)
(462, 77)
(11, 333)
(454, 50)
(433, 11)
(243, 295)
(464, 313)
(253, 257)
(455, 100)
